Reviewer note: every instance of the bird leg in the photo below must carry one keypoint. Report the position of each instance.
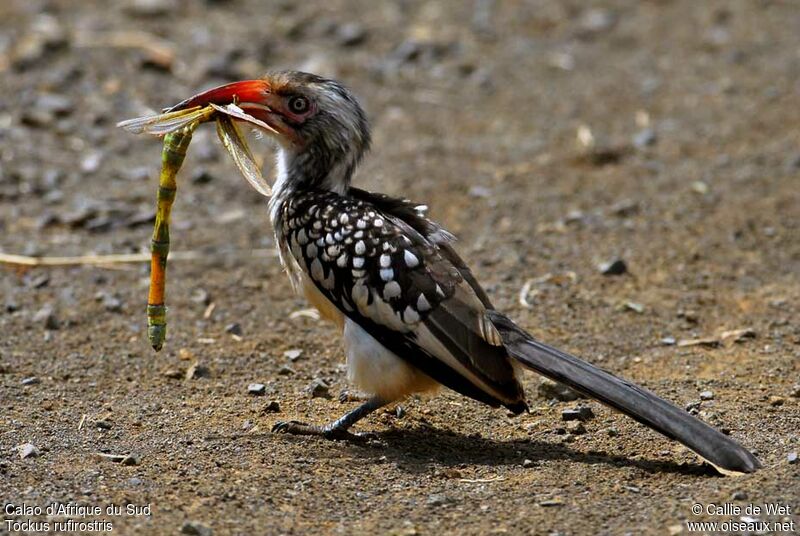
(338, 429)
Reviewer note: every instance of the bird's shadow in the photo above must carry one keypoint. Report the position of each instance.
(417, 449)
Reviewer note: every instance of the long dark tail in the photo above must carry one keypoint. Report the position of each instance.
(721, 451)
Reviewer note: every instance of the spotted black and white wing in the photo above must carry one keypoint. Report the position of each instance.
(392, 271)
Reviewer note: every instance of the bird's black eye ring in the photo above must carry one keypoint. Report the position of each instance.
(298, 104)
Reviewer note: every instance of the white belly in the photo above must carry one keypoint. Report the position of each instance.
(371, 367)
(376, 370)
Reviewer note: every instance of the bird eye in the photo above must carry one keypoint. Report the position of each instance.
(298, 104)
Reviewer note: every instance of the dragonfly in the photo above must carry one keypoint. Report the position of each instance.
(225, 105)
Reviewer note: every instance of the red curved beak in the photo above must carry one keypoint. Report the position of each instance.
(255, 91)
(253, 97)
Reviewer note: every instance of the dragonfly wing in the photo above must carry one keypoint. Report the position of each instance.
(237, 147)
(161, 124)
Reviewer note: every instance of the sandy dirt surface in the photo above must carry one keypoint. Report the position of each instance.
(688, 171)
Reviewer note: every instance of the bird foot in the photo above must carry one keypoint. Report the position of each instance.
(328, 432)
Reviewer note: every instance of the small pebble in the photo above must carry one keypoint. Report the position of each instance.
(272, 407)
(28, 450)
(195, 371)
(103, 425)
(438, 500)
(39, 281)
(54, 103)
(634, 306)
(480, 191)
(528, 463)
(130, 459)
(581, 413)
(706, 395)
(173, 374)
(201, 296)
(47, 317)
(693, 407)
(111, 303)
(234, 329)
(668, 341)
(319, 389)
(33, 380)
(293, 355)
(624, 208)
(91, 162)
(285, 370)
(615, 267)
(550, 390)
(739, 496)
(792, 458)
(194, 528)
(612, 432)
(644, 138)
(201, 176)
(576, 428)
(596, 20)
(776, 401)
(151, 8)
(350, 34)
(551, 502)
(795, 393)
(257, 389)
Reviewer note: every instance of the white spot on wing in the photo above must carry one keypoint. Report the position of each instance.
(387, 274)
(361, 247)
(391, 290)
(411, 259)
(422, 303)
(386, 261)
(410, 316)
(329, 282)
(302, 237)
(360, 294)
(358, 262)
(316, 270)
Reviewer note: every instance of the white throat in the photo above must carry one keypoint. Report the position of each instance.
(286, 182)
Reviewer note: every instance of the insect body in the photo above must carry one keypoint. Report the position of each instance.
(177, 125)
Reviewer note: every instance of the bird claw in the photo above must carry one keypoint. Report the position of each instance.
(288, 427)
(337, 434)
(345, 395)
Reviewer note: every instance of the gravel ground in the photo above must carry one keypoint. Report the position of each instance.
(551, 137)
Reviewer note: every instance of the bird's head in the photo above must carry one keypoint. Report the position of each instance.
(319, 126)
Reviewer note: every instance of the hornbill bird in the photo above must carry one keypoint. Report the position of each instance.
(411, 313)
